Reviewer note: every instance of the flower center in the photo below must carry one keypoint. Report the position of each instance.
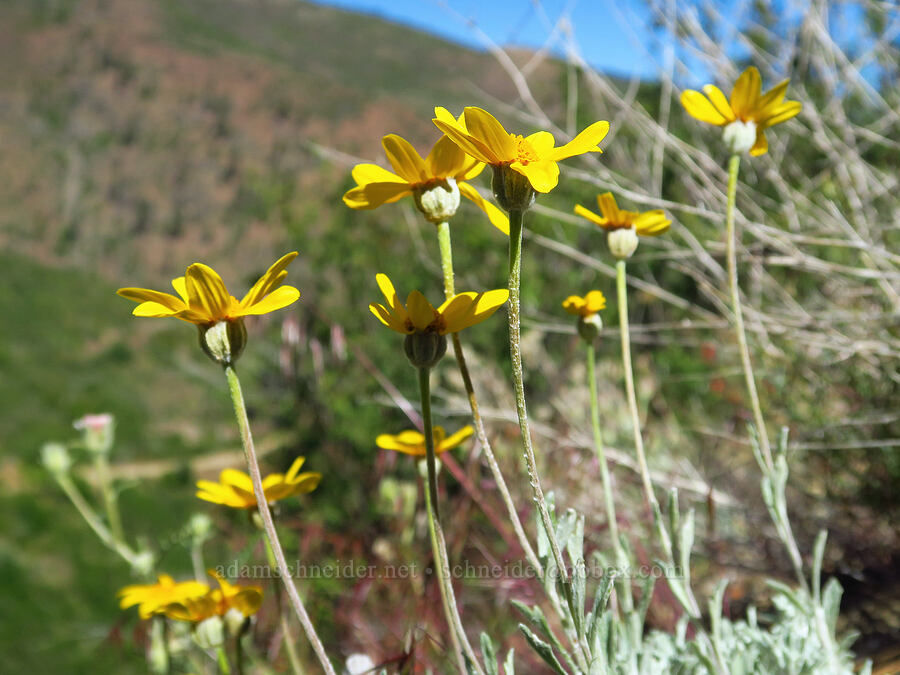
(524, 151)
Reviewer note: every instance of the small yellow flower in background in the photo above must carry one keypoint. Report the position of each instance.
(623, 227)
(412, 442)
(445, 167)
(747, 114)
(235, 489)
(420, 316)
(155, 598)
(535, 157)
(217, 602)
(584, 307)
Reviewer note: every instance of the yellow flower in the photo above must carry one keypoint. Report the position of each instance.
(217, 602)
(420, 316)
(414, 176)
(235, 489)
(587, 306)
(481, 136)
(412, 442)
(203, 299)
(747, 105)
(647, 224)
(154, 598)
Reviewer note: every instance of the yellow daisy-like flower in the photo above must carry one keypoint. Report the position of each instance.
(235, 489)
(412, 442)
(217, 602)
(646, 224)
(155, 598)
(416, 176)
(203, 299)
(420, 316)
(587, 306)
(754, 111)
(535, 157)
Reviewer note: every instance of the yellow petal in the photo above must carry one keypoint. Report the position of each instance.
(447, 160)
(543, 175)
(651, 223)
(467, 309)
(699, 107)
(143, 295)
(542, 143)
(594, 301)
(389, 319)
(247, 601)
(373, 195)
(372, 173)
(306, 482)
(421, 312)
(403, 157)
(207, 291)
(746, 92)
(454, 439)
(772, 98)
(458, 133)
(236, 479)
(590, 215)
(279, 298)
(180, 286)
(573, 304)
(294, 470)
(761, 145)
(390, 294)
(586, 141)
(720, 103)
(485, 128)
(152, 310)
(782, 113)
(496, 216)
(268, 281)
(609, 208)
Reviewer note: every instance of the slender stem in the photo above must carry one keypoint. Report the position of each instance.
(224, 668)
(287, 638)
(438, 544)
(515, 273)
(731, 258)
(480, 433)
(240, 411)
(110, 502)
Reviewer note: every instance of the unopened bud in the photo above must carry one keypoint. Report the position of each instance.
(739, 136)
(512, 190)
(55, 458)
(97, 432)
(438, 202)
(425, 349)
(622, 242)
(143, 562)
(589, 327)
(224, 341)
(199, 527)
(209, 633)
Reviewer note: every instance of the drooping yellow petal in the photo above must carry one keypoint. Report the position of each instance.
(761, 144)
(152, 310)
(403, 157)
(746, 92)
(496, 216)
(306, 482)
(237, 479)
(268, 281)
(543, 175)
(207, 291)
(699, 107)
(373, 195)
(408, 442)
(719, 101)
(421, 312)
(467, 309)
(453, 440)
(389, 319)
(144, 295)
(651, 223)
(485, 128)
(586, 141)
(590, 215)
(364, 174)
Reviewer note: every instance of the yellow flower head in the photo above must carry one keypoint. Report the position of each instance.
(420, 316)
(235, 489)
(647, 224)
(412, 442)
(587, 306)
(414, 176)
(481, 136)
(748, 105)
(154, 598)
(203, 299)
(217, 602)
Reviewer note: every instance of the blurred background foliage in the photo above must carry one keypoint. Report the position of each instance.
(140, 137)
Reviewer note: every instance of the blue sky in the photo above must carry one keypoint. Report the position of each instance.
(611, 34)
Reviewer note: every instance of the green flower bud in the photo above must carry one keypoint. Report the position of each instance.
(143, 563)
(200, 527)
(55, 458)
(589, 327)
(622, 242)
(438, 202)
(424, 350)
(512, 190)
(224, 341)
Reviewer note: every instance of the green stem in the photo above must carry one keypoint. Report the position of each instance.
(731, 259)
(515, 350)
(480, 433)
(287, 638)
(438, 544)
(224, 668)
(240, 411)
(110, 502)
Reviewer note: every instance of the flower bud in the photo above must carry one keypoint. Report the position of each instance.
(224, 341)
(425, 349)
(97, 432)
(209, 633)
(422, 466)
(235, 622)
(438, 202)
(143, 563)
(622, 242)
(55, 458)
(199, 527)
(512, 190)
(589, 327)
(739, 136)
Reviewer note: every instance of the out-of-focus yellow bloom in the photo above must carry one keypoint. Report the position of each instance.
(587, 306)
(420, 316)
(747, 105)
(235, 489)
(412, 442)
(647, 223)
(217, 602)
(154, 598)
(203, 299)
(376, 186)
(481, 136)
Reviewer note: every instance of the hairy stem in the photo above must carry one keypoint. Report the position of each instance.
(240, 411)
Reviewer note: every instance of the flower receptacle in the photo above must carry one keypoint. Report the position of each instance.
(512, 190)
(425, 349)
(224, 341)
